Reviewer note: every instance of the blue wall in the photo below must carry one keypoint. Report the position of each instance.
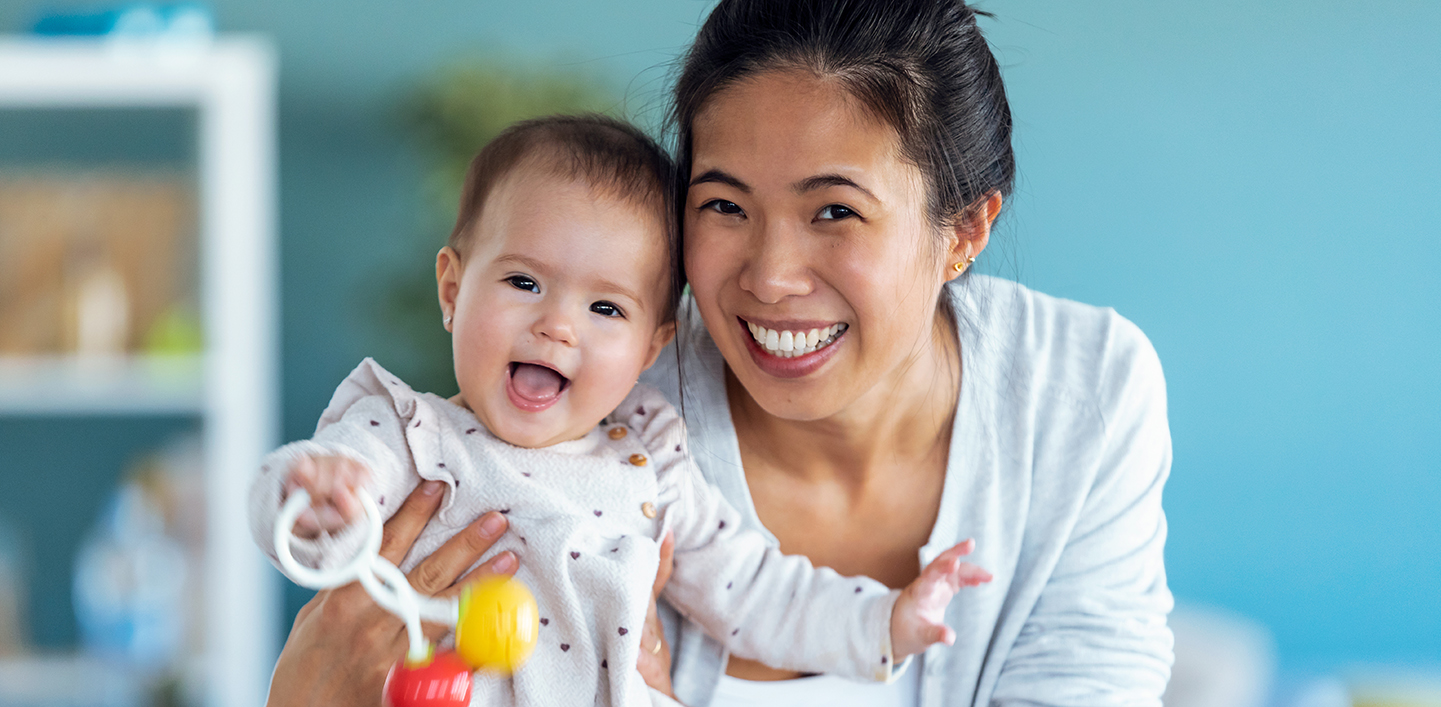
(1258, 185)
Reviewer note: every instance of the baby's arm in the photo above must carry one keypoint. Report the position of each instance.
(366, 448)
(782, 611)
(332, 482)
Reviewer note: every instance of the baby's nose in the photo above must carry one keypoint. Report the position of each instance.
(556, 327)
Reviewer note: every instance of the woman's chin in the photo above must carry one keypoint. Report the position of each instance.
(806, 399)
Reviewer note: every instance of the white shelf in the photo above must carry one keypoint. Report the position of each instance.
(58, 72)
(73, 385)
(233, 388)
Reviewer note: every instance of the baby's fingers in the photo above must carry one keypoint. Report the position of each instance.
(349, 476)
(306, 526)
(960, 549)
(969, 575)
(941, 633)
(302, 475)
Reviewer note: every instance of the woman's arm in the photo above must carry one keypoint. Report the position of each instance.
(342, 643)
(654, 662)
(1098, 633)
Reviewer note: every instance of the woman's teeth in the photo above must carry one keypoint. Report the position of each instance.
(789, 344)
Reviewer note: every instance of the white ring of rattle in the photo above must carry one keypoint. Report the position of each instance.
(324, 579)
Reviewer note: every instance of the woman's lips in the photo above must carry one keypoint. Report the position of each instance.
(791, 364)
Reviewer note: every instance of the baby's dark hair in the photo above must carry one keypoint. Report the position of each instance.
(609, 155)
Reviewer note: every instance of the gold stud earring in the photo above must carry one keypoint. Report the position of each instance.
(959, 266)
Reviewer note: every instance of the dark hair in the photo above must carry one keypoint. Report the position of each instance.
(921, 66)
(607, 154)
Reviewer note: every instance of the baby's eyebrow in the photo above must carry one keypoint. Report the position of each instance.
(523, 261)
(619, 289)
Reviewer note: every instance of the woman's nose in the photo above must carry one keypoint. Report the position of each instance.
(776, 267)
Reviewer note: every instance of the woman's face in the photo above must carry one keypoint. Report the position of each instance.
(807, 246)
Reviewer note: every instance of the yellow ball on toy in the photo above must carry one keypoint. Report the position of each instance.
(498, 626)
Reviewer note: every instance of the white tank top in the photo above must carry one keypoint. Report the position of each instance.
(819, 691)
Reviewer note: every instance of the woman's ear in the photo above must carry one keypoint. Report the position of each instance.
(447, 282)
(971, 233)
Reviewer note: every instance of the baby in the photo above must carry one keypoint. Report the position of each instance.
(559, 286)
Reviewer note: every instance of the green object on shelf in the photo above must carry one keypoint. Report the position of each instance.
(176, 331)
(466, 105)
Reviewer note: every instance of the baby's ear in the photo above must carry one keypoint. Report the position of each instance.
(447, 281)
(663, 335)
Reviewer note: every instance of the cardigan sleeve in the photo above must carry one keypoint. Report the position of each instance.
(1098, 635)
(758, 602)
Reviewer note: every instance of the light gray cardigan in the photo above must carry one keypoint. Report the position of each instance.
(1058, 457)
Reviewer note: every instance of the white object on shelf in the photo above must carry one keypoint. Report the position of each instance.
(230, 82)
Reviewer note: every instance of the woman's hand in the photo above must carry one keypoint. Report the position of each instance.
(654, 663)
(919, 617)
(343, 644)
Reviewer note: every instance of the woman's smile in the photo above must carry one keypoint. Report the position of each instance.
(795, 350)
(794, 340)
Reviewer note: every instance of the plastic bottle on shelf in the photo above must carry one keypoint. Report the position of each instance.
(130, 581)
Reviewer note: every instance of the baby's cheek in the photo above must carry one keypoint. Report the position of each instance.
(610, 373)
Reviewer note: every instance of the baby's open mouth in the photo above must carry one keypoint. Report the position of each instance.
(537, 382)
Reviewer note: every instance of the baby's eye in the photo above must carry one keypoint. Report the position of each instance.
(522, 282)
(721, 206)
(606, 309)
(835, 212)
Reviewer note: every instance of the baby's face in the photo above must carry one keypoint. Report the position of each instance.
(556, 306)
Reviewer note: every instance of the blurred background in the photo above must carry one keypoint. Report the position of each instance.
(1257, 185)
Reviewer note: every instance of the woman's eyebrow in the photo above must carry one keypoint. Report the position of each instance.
(721, 177)
(821, 181)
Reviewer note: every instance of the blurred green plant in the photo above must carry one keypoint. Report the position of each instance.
(451, 116)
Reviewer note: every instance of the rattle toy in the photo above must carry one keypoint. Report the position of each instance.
(496, 620)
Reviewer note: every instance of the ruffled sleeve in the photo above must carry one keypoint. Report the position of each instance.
(375, 419)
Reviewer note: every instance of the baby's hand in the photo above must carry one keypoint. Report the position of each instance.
(332, 482)
(918, 618)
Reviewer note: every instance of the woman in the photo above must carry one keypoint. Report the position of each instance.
(843, 165)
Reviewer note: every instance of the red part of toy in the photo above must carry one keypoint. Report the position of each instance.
(441, 681)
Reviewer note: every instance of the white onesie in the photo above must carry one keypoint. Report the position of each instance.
(586, 518)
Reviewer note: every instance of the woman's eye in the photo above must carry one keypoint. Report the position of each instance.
(606, 309)
(721, 206)
(835, 212)
(521, 282)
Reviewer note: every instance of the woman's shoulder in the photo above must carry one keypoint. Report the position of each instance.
(1049, 346)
